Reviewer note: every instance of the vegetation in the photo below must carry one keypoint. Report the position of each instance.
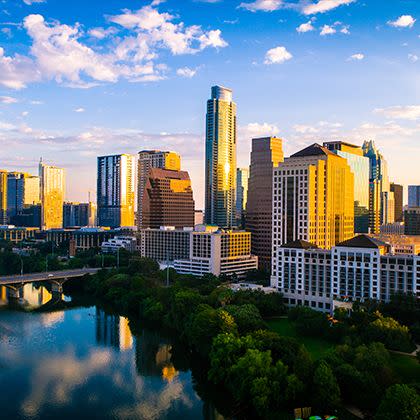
(307, 360)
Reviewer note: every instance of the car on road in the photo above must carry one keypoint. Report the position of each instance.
(50, 275)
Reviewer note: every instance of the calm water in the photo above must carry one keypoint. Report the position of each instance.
(77, 363)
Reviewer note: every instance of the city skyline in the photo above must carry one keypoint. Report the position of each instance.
(343, 91)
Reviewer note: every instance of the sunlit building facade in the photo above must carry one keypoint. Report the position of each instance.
(147, 160)
(266, 153)
(359, 165)
(313, 200)
(3, 197)
(220, 173)
(398, 191)
(52, 191)
(116, 190)
(242, 175)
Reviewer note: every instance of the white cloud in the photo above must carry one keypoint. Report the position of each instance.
(323, 6)
(262, 5)
(413, 58)
(102, 33)
(79, 110)
(186, 72)
(305, 27)
(356, 57)
(404, 21)
(8, 100)
(277, 55)
(327, 30)
(31, 2)
(407, 112)
(345, 30)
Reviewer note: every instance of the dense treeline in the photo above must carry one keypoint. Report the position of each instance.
(265, 373)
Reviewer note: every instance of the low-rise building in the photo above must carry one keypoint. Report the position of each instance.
(113, 245)
(354, 270)
(396, 228)
(218, 252)
(15, 234)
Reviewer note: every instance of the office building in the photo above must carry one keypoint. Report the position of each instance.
(3, 197)
(165, 244)
(149, 159)
(16, 234)
(354, 270)
(22, 191)
(220, 163)
(412, 221)
(218, 252)
(79, 215)
(313, 200)
(167, 199)
(396, 228)
(242, 175)
(116, 190)
(381, 199)
(398, 191)
(113, 245)
(359, 165)
(414, 196)
(198, 217)
(29, 216)
(266, 154)
(52, 191)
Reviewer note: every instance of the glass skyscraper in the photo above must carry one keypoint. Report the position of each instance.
(220, 194)
(359, 165)
(22, 191)
(414, 195)
(242, 175)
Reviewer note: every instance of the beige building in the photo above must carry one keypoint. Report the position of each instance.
(313, 200)
(52, 191)
(266, 154)
(149, 159)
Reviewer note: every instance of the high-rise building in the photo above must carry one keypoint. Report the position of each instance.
(52, 191)
(242, 175)
(220, 174)
(22, 191)
(149, 159)
(313, 200)
(398, 191)
(414, 195)
(359, 165)
(79, 215)
(412, 221)
(381, 199)
(266, 154)
(116, 190)
(3, 197)
(168, 199)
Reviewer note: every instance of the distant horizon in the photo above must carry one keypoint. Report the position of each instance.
(117, 77)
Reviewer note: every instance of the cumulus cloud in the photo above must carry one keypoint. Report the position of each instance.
(407, 112)
(262, 5)
(356, 57)
(323, 6)
(305, 27)
(413, 58)
(60, 52)
(277, 55)
(186, 72)
(327, 30)
(404, 21)
(332, 29)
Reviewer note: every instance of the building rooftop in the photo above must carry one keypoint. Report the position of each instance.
(300, 244)
(363, 241)
(314, 150)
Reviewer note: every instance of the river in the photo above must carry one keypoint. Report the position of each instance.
(61, 361)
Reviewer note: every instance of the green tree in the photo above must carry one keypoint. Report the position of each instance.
(326, 391)
(247, 317)
(400, 402)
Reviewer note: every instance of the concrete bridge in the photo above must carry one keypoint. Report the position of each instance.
(56, 278)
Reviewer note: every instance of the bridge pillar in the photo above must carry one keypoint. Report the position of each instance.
(57, 287)
(14, 293)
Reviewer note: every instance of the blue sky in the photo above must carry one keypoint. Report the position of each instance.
(85, 78)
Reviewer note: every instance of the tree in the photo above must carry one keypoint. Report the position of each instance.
(400, 402)
(247, 317)
(326, 391)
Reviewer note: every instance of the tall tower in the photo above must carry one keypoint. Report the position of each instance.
(414, 196)
(116, 190)
(359, 165)
(52, 191)
(242, 177)
(398, 191)
(220, 193)
(3, 197)
(381, 199)
(149, 159)
(22, 191)
(313, 199)
(266, 154)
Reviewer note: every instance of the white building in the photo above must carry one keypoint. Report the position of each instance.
(354, 270)
(218, 252)
(128, 243)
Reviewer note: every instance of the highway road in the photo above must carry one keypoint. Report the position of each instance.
(45, 276)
